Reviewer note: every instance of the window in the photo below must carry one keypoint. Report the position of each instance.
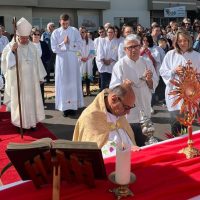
(41, 23)
(2, 20)
(120, 21)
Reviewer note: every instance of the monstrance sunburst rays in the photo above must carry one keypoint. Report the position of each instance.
(187, 91)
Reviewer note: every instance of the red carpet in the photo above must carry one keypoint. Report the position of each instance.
(8, 133)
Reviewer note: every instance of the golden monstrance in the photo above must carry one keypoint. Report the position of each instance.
(187, 90)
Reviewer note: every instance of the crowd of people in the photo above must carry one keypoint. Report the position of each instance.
(148, 58)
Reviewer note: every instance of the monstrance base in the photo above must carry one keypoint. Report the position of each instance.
(190, 152)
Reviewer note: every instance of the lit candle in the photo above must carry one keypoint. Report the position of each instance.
(123, 165)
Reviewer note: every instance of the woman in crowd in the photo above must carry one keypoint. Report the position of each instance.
(118, 34)
(140, 30)
(43, 51)
(87, 54)
(172, 66)
(150, 52)
(196, 29)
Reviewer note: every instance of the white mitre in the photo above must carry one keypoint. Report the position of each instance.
(23, 27)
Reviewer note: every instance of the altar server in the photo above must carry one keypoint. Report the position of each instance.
(107, 56)
(86, 57)
(66, 42)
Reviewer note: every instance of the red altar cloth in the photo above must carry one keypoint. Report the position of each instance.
(161, 174)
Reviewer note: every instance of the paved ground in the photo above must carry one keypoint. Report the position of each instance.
(63, 127)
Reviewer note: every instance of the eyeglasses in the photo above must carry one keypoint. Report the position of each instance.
(126, 107)
(83, 32)
(36, 34)
(132, 47)
(101, 32)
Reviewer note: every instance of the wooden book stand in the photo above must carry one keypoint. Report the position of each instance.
(45, 169)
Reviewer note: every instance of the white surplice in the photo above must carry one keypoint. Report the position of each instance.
(170, 62)
(31, 72)
(68, 87)
(107, 49)
(126, 68)
(96, 43)
(121, 52)
(87, 51)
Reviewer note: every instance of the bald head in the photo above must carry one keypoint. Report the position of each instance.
(50, 27)
(107, 25)
(121, 99)
(125, 89)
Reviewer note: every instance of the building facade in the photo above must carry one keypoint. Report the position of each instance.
(92, 13)
(40, 12)
(128, 11)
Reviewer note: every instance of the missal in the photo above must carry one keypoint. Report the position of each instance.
(36, 159)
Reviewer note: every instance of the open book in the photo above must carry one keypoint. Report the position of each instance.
(41, 154)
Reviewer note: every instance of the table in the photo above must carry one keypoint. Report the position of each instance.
(161, 173)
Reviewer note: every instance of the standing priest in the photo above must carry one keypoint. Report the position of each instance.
(31, 74)
(143, 75)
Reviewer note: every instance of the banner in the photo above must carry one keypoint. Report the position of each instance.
(179, 11)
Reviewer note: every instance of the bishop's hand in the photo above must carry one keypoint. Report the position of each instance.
(14, 47)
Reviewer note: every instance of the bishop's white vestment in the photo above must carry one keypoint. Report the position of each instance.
(31, 72)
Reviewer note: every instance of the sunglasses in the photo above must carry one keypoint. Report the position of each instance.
(36, 34)
(126, 107)
(83, 32)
